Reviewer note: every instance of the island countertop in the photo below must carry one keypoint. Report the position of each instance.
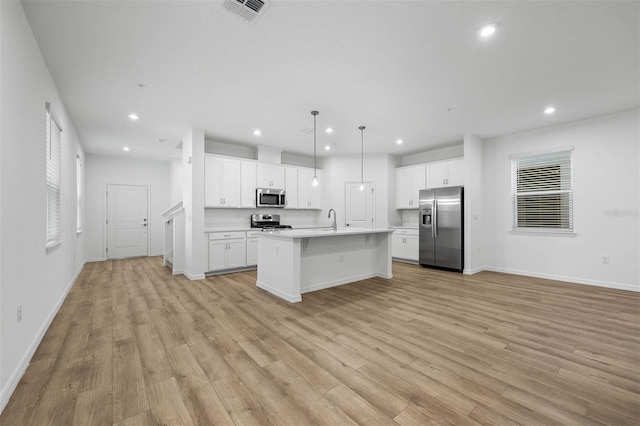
(290, 234)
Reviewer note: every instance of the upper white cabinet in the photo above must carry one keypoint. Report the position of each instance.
(409, 181)
(309, 197)
(445, 173)
(248, 184)
(221, 182)
(270, 176)
(291, 187)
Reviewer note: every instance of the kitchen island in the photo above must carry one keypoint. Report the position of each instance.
(294, 262)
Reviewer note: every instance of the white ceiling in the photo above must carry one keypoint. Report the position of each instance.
(415, 70)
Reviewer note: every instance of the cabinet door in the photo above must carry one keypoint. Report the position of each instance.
(252, 251)
(236, 255)
(305, 194)
(412, 250)
(247, 184)
(397, 246)
(217, 255)
(436, 175)
(291, 186)
(418, 182)
(212, 182)
(403, 188)
(455, 173)
(270, 176)
(230, 183)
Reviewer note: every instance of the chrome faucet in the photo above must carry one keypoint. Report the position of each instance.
(334, 225)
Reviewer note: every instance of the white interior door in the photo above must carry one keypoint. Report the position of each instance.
(359, 205)
(127, 221)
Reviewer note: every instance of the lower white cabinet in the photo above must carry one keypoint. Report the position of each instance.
(226, 250)
(252, 248)
(405, 244)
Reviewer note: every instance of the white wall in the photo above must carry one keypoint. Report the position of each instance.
(101, 170)
(439, 154)
(606, 179)
(193, 146)
(29, 275)
(474, 239)
(346, 168)
(175, 181)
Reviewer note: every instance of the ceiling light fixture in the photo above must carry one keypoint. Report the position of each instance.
(257, 132)
(327, 147)
(314, 182)
(361, 157)
(488, 30)
(329, 130)
(549, 110)
(126, 148)
(399, 141)
(133, 117)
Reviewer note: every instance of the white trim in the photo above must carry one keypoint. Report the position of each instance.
(53, 244)
(473, 270)
(159, 253)
(194, 277)
(278, 293)
(574, 280)
(545, 232)
(95, 259)
(541, 152)
(21, 368)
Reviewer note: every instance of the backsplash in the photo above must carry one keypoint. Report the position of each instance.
(410, 218)
(219, 218)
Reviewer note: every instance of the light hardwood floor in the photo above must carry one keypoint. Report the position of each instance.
(134, 345)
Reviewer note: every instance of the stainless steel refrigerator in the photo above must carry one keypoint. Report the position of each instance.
(442, 228)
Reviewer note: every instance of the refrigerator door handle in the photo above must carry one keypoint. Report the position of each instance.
(434, 225)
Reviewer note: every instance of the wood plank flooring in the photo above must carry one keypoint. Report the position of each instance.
(134, 345)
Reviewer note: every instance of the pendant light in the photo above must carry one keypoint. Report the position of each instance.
(314, 182)
(361, 157)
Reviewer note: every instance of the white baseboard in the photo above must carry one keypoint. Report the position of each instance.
(575, 280)
(280, 294)
(177, 272)
(473, 270)
(17, 374)
(194, 277)
(158, 253)
(95, 259)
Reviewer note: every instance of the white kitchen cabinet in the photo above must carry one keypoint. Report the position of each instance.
(252, 248)
(270, 176)
(309, 197)
(409, 181)
(445, 173)
(405, 245)
(221, 182)
(248, 185)
(291, 187)
(226, 250)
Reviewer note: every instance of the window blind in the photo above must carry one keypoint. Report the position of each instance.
(542, 191)
(53, 180)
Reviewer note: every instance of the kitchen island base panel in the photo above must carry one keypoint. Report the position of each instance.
(290, 267)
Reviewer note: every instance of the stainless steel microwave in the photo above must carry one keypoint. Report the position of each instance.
(269, 197)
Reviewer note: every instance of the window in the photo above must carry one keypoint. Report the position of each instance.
(78, 194)
(53, 179)
(542, 191)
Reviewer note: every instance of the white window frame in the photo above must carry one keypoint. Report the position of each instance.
(53, 179)
(79, 195)
(563, 187)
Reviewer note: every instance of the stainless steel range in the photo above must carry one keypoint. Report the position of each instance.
(267, 222)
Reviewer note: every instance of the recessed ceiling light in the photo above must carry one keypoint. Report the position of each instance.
(257, 132)
(327, 147)
(549, 110)
(329, 130)
(488, 30)
(399, 141)
(126, 148)
(133, 117)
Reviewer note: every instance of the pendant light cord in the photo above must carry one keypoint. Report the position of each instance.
(315, 157)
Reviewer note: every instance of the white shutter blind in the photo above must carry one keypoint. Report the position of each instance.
(53, 180)
(542, 191)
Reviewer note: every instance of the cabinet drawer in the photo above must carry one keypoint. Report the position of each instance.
(253, 234)
(226, 235)
(406, 232)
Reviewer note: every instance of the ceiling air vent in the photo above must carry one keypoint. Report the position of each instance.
(249, 10)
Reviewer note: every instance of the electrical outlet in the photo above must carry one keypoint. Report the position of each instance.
(19, 313)
(605, 259)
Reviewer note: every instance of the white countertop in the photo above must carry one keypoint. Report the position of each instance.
(232, 228)
(403, 227)
(290, 234)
